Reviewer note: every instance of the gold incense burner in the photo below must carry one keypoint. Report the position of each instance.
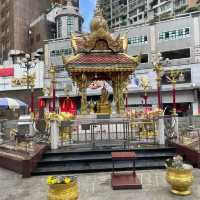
(179, 176)
(180, 180)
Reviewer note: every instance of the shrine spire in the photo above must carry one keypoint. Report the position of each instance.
(69, 3)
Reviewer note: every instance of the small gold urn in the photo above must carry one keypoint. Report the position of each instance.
(63, 191)
(180, 180)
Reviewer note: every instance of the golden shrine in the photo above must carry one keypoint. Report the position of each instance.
(101, 56)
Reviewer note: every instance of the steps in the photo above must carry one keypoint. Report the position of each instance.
(86, 160)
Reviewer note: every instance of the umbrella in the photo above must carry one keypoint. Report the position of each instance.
(8, 103)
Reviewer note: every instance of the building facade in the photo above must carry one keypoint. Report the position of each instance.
(67, 20)
(64, 2)
(16, 17)
(119, 13)
(62, 19)
(178, 41)
(8, 72)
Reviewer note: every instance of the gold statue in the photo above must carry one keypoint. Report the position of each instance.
(104, 96)
(92, 106)
(104, 105)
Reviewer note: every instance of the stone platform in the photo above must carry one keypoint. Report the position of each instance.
(20, 161)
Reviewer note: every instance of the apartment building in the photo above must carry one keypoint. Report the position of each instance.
(67, 20)
(16, 16)
(121, 13)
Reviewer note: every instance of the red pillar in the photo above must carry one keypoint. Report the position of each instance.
(158, 96)
(126, 101)
(145, 101)
(54, 98)
(32, 101)
(174, 98)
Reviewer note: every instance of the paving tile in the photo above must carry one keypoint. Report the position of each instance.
(94, 187)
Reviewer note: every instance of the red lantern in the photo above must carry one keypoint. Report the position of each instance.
(41, 103)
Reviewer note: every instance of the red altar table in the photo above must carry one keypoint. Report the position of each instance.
(128, 180)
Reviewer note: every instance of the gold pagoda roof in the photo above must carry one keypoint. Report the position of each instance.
(99, 48)
(99, 39)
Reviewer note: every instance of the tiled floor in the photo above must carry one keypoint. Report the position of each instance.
(94, 187)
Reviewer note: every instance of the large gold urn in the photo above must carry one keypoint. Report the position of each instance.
(180, 180)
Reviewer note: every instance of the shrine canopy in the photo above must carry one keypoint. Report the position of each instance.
(99, 52)
(100, 56)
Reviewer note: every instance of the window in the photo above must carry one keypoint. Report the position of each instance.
(137, 41)
(59, 28)
(80, 25)
(175, 34)
(70, 23)
(176, 54)
(60, 68)
(144, 58)
(55, 53)
(38, 37)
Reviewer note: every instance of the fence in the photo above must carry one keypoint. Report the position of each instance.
(110, 132)
(183, 130)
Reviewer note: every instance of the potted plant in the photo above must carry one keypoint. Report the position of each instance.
(62, 188)
(179, 176)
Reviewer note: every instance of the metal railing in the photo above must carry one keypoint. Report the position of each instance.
(110, 132)
(183, 130)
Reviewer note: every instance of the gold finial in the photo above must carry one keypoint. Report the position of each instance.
(69, 3)
(52, 71)
(98, 21)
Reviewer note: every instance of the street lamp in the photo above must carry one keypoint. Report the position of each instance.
(158, 68)
(52, 71)
(27, 63)
(28, 79)
(145, 85)
(173, 77)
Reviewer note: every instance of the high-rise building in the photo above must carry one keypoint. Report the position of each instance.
(120, 13)
(16, 16)
(64, 2)
(67, 20)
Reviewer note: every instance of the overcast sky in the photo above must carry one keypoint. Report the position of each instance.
(87, 9)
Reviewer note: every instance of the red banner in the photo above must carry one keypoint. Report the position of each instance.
(6, 72)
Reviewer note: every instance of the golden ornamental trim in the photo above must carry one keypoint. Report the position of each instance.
(135, 59)
(73, 42)
(101, 69)
(68, 59)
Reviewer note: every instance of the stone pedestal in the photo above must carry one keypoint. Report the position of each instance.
(161, 131)
(54, 135)
(1, 139)
(31, 129)
(195, 108)
(175, 120)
